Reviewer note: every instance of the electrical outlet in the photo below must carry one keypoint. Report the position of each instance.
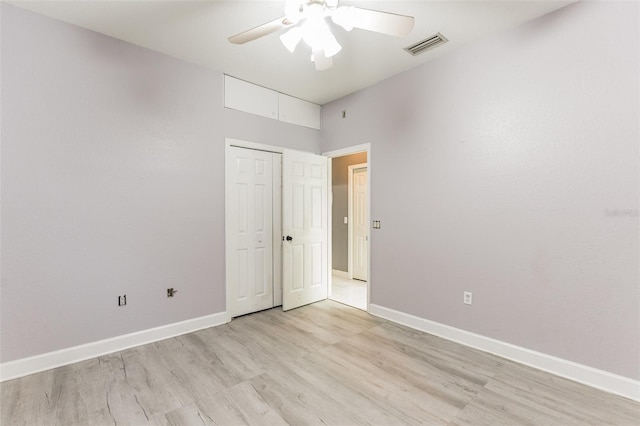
(468, 298)
(122, 300)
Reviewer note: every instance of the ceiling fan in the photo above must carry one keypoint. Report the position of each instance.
(306, 20)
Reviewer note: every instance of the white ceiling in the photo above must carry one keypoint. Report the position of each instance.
(197, 31)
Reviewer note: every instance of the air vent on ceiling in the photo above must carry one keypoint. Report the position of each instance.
(428, 43)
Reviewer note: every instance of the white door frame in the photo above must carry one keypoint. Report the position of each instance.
(366, 147)
(350, 171)
(277, 228)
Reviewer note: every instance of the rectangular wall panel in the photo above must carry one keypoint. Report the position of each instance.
(247, 97)
(296, 111)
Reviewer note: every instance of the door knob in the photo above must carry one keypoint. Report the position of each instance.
(289, 238)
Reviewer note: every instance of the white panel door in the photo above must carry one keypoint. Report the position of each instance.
(360, 225)
(249, 227)
(304, 227)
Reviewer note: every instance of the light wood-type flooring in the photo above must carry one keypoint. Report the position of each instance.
(324, 363)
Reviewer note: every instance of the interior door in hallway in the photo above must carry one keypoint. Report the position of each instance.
(360, 225)
(304, 227)
(249, 223)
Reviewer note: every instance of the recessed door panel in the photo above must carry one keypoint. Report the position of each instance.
(243, 203)
(316, 207)
(316, 264)
(297, 267)
(297, 206)
(260, 272)
(259, 211)
(243, 274)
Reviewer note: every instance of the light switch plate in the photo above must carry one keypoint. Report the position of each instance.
(346, 220)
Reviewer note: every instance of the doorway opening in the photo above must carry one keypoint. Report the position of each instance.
(278, 247)
(350, 229)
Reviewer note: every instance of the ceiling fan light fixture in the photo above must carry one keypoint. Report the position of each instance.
(307, 20)
(344, 16)
(321, 61)
(317, 35)
(331, 45)
(331, 4)
(291, 38)
(313, 32)
(293, 11)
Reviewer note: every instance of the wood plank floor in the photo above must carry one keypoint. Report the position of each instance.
(320, 364)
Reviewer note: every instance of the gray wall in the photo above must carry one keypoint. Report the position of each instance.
(509, 168)
(112, 183)
(340, 208)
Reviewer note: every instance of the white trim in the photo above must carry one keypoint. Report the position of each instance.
(35, 364)
(365, 147)
(349, 222)
(329, 227)
(277, 228)
(252, 145)
(339, 273)
(590, 376)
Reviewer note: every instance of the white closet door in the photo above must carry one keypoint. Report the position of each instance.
(304, 227)
(360, 225)
(249, 223)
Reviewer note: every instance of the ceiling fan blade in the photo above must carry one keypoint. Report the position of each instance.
(382, 22)
(260, 31)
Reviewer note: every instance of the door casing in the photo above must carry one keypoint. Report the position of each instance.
(365, 147)
(277, 240)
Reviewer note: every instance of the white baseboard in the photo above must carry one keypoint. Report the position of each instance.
(24, 367)
(590, 376)
(339, 273)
